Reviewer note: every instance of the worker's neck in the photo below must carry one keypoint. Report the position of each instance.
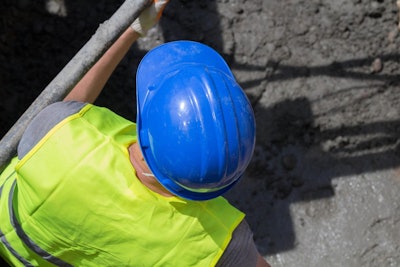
(143, 172)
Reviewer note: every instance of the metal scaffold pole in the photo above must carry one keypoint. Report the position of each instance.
(70, 75)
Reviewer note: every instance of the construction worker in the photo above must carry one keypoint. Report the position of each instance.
(90, 188)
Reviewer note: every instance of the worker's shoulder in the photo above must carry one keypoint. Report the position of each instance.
(62, 109)
(44, 121)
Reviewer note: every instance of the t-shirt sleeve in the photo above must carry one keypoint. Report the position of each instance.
(44, 122)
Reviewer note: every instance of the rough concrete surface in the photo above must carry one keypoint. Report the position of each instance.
(323, 76)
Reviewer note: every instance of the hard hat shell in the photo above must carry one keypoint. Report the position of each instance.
(196, 126)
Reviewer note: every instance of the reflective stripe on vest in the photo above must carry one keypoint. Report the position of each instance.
(3, 239)
(25, 238)
(79, 200)
(16, 227)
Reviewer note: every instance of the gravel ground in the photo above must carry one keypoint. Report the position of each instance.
(323, 77)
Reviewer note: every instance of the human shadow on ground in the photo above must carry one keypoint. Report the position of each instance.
(293, 153)
(296, 161)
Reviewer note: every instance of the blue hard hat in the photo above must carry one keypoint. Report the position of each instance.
(196, 126)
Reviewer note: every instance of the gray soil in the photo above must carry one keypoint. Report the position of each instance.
(323, 76)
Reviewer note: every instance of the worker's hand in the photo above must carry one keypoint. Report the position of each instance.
(149, 17)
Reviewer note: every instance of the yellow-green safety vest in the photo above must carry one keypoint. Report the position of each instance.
(75, 200)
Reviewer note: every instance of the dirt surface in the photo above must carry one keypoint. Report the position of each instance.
(323, 76)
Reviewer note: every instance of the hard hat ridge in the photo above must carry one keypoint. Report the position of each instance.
(196, 125)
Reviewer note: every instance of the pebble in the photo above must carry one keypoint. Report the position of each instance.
(376, 66)
(56, 7)
(393, 34)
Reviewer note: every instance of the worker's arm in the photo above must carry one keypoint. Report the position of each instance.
(91, 85)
